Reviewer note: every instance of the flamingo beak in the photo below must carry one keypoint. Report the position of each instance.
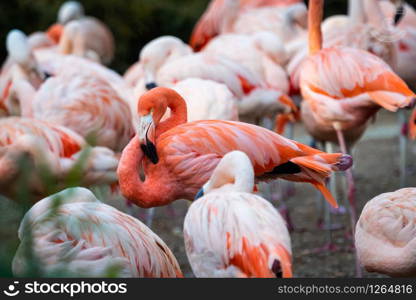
(151, 85)
(400, 12)
(146, 135)
(199, 194)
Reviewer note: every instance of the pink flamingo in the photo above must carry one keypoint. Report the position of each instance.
(179, 157)
(153, 56)
(82, 35)
(385, 236)
(230, 232)
(88, 238)
(337, 105)
(88, 105)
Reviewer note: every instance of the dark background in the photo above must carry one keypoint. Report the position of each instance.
(133, 22)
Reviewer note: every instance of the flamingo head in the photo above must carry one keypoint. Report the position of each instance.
(20, 52)
(298, 15)
(157, 53)
(151, 108)
(70, 10)
(233, 173)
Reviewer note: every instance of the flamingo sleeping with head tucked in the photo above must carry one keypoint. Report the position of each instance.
(385, 236)
(230, 232)
(82, 35)
(179, 157)
(74, 233)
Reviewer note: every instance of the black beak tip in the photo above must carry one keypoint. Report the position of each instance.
(149, 150)
(400, 12)
(199, 194)
(150, 85)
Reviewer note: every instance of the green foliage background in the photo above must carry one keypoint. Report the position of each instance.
(133, 22)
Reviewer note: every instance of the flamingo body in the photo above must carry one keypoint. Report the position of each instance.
(385, 235)
(230, 232)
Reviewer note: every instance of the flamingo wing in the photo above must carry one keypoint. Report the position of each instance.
(193, 150)
(347, 74)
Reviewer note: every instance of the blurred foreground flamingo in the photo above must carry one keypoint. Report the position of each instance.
(179, 157)
(75, 234)
(385, 235)
(51, 148)
(230, 232)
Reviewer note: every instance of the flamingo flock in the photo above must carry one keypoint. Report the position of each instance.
(205, 122)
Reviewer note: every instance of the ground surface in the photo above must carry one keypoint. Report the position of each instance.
(376, 163)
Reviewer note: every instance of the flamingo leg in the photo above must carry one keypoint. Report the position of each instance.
(402, 146)
(150, 213)
(351, 195)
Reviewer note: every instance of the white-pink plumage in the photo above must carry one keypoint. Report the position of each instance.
(88, 238)
(385, 236)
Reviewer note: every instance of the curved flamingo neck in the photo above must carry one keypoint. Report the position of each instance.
(315, 15)
(177, 106)
(148, 193)
(234, 172)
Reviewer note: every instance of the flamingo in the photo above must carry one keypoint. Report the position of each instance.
(405, 41)
(229, 232)
(206, 99)
(385, 236)
(179, 157)
(47, 62)
(87, 105)
(338, 104)
(53, 147)
(82, 35)
(152, 57)
(248, 16)
(21, 64)
(85, 237)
